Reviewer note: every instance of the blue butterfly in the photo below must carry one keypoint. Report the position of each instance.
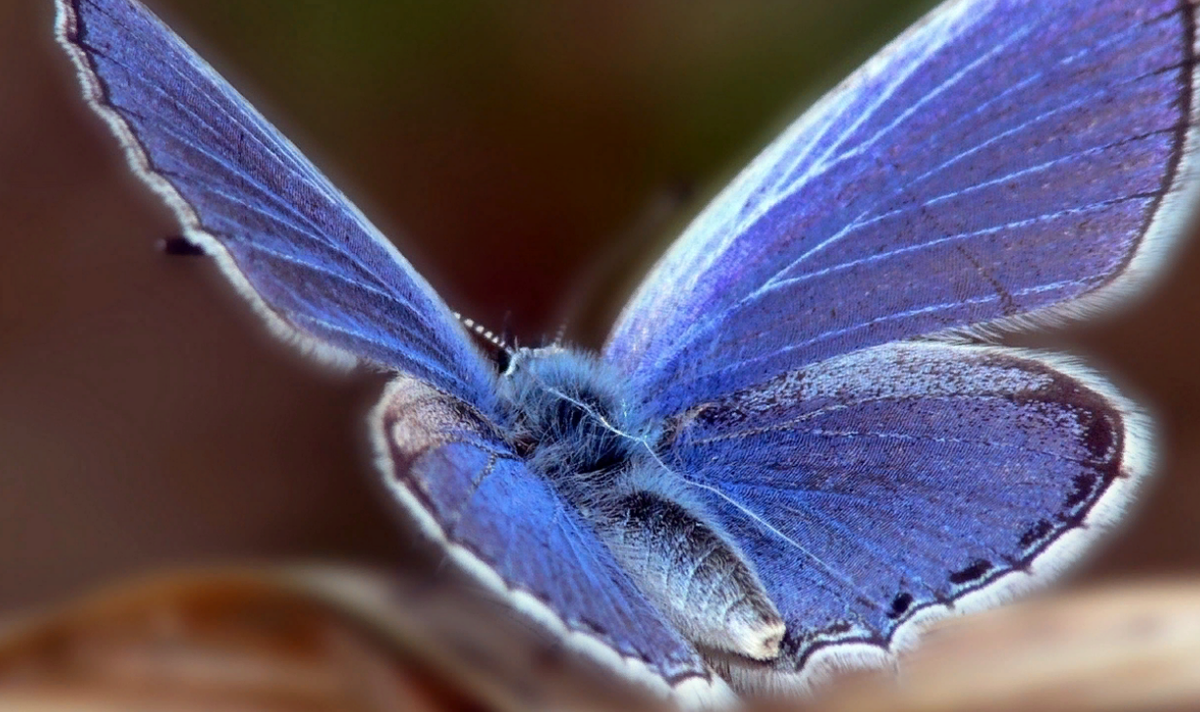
(803, 439)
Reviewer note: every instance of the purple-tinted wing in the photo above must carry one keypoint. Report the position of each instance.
(1005, 159)
(507, 527)
(894, 484)
(282, 233)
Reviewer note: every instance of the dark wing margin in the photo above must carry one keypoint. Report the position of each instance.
(1005, 164)
(509, 530)
(901, 484)
(292, 244)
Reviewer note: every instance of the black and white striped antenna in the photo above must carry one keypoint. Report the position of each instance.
(561, 333)
(482, 332)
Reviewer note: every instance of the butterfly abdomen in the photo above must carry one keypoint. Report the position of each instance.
(698, 580)
(574, 423)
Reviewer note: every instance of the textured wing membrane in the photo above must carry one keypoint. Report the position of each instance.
(891, 485)
(284, 235)
(1005, 162)
(506, 526)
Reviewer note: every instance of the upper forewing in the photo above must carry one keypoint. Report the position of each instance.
(1005, 159)
(283, 234)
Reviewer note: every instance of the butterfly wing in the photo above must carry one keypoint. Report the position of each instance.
(292, 243)
(321, 273)
(894, 484)
(501, 522)
(1005, 161)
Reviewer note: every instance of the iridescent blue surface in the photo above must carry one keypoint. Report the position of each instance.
(802, 439)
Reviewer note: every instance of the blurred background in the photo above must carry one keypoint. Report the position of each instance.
(527, 157)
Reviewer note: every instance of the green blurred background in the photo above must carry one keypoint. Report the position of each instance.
(531, 157)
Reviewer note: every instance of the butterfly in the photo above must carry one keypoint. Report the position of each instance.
(804, 439)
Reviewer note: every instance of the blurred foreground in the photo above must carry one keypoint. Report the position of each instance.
(320, 639)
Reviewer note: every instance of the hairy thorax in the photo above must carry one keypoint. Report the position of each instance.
(575, 422)
(571, 420)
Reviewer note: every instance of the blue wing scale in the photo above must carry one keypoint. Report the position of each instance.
(895, 483)
(983, 171)
(452, 473)
(320, 272)
(314, 266)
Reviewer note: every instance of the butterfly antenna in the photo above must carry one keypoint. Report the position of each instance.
(481, 331)
(508, 338)
(561, 333)
(501, 351)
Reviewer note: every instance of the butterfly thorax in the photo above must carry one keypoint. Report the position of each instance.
(571, 420)
(574, 421)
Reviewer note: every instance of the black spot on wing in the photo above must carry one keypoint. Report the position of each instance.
(1036, 533)
(976, 571)
(1083, 488)
(1100, 434)
(179, 247)
(900, 605)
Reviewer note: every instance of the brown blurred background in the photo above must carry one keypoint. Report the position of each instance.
(524, 155)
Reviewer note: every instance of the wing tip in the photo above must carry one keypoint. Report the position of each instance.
(1170, 223)
(66, 30)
